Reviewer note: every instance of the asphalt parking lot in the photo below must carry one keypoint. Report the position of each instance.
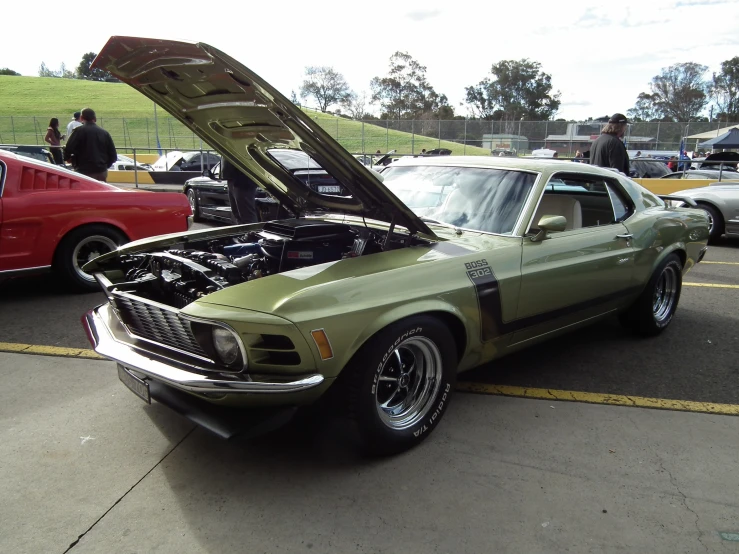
(86, 467)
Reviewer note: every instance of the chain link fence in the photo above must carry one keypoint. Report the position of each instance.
(462, 136)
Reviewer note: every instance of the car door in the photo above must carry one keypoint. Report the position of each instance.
(585, 270)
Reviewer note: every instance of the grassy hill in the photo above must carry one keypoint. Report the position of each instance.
(27, 104)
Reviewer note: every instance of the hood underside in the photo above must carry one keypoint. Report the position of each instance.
(243, 117)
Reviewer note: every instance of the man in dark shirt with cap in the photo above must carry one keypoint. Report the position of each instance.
(608, 150)
(90, 149)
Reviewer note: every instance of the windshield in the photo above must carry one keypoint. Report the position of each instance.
(293, 159)
(480, 199)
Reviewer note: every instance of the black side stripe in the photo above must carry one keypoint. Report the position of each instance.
(490, 305)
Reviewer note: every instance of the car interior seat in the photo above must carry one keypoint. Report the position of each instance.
(555, 204)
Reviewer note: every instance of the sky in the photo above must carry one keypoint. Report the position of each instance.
(600, 54)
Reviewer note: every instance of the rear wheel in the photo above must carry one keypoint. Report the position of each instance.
(715, 222)
(81, 246)
(401, 383)
(653, 311)
(194, 205)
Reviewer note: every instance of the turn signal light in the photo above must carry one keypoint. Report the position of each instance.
(324, 347)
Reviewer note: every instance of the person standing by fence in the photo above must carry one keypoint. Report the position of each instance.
(90, 149)
(608, 150)
(54, 138)
(72, 125)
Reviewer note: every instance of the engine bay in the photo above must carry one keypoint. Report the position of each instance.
(181, 274)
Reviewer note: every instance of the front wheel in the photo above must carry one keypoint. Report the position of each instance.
(81, 246)
(194, 205)
(715, 222)
(401, 383)
(653, 311)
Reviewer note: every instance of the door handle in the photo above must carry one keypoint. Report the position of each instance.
(628, 236)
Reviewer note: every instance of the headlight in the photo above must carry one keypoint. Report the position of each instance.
(226, 345)
(675, 203)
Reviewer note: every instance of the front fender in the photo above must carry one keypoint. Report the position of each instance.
(347, 337)
(402, 312)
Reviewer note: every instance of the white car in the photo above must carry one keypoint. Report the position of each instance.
(167, 161)
(544, 153)
(124, 163)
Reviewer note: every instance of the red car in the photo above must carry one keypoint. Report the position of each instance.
(55, 219)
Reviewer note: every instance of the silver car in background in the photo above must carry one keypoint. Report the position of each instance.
(721, 201)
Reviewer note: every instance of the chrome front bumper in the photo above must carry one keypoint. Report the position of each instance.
(97, 323)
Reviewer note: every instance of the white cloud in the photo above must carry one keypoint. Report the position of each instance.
(600, 52)
(422, 15)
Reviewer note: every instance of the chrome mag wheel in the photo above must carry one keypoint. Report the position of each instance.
(191, 199)
(665, 293)
(87, 250)
(408, 383)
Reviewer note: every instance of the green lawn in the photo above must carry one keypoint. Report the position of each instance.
(29, 102)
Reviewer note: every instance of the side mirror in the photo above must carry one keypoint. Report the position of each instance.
(208, 173)
(549, 224)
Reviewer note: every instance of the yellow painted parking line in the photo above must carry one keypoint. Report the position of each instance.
(49, 350)
(479, 388)
(711, 285)
(596, 398)
(720, 263)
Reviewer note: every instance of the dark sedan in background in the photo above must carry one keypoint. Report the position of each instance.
(208, 194)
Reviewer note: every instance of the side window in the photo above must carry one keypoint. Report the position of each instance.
(622, 209)
(584, 200)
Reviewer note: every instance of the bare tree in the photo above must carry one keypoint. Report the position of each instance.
(405, 92)
(63, 72)
(355, 104)
(326, 85)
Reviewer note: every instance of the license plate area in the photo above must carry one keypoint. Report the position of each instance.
(137, 386)
(329, 189)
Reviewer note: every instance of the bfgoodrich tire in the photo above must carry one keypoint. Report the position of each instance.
(653, 311)
(400, 384)
(81, 246)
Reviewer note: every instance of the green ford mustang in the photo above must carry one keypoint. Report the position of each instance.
(380, 294)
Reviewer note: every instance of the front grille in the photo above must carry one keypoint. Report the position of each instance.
(157, 324)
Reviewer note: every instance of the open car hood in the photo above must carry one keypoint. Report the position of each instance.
(243, 117)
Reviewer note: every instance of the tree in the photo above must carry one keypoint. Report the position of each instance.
(355, 104)
(8, 71)
(84, 71)
(326, 85)
(44, 71)
(62, 73)
(645, 108)
(518, 89)
(724, 88)
(405, 92)
(677, 93)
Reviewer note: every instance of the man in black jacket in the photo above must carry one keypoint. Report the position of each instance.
(608, 150)
(241, 193)
(90, 149)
